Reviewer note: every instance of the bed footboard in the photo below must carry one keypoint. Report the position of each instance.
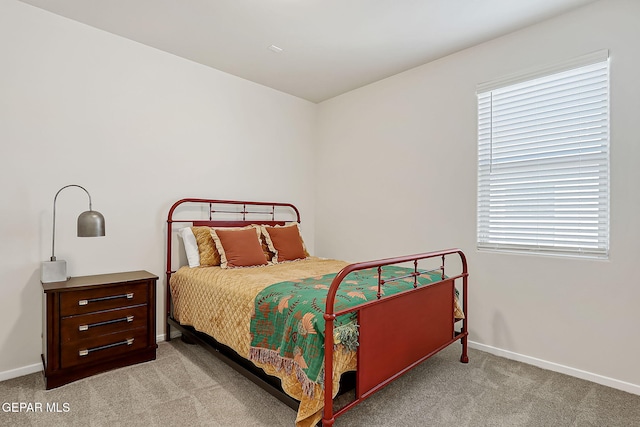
(398, 332)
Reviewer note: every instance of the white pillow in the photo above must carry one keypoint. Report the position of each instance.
(190, 246)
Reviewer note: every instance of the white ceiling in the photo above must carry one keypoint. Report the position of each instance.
(328, 46)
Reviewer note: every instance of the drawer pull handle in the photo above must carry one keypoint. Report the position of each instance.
(104, 347)
(87, 301)
(127, 319)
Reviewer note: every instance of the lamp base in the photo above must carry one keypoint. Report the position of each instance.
(53, 271)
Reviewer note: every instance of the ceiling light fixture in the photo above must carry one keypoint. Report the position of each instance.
(274, 48)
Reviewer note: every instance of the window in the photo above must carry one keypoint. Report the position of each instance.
(543, 160)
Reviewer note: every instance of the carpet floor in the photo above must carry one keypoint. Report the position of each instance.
(187, 386)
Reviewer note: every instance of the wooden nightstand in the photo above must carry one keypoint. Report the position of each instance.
(96, 323)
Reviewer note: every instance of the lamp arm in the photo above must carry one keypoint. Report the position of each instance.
(53, 241)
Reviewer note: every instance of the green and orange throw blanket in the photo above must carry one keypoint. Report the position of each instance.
(287, 327)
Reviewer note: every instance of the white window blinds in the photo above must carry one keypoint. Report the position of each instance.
(543, 160)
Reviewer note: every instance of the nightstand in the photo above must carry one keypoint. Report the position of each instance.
(92, 324)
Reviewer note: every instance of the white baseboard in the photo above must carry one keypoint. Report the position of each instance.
(598, 379)
(19, 372)
(174, 334)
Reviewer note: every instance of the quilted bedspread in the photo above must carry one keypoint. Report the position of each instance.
(232, 292)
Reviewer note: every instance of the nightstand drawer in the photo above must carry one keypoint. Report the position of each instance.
(103, 347)
(102, 298)
(84, 326)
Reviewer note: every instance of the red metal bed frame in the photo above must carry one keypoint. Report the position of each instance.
(385, 351)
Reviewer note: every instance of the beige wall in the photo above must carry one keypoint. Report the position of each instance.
(396, 164)
(140, 129)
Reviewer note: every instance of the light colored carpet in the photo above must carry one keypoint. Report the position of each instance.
(187, 386)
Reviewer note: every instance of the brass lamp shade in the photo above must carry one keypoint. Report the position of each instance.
(90, 224)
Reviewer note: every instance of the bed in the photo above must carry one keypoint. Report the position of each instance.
(303, 327)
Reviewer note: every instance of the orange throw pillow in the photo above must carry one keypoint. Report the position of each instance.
(285, 242)
(239, 248)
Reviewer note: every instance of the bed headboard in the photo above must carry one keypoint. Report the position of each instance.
(221, 213)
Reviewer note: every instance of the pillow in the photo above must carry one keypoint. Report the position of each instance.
(190, 246)
(285, 242)
(239, 247)
(209, 255)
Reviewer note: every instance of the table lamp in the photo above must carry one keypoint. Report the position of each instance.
(90, 224)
